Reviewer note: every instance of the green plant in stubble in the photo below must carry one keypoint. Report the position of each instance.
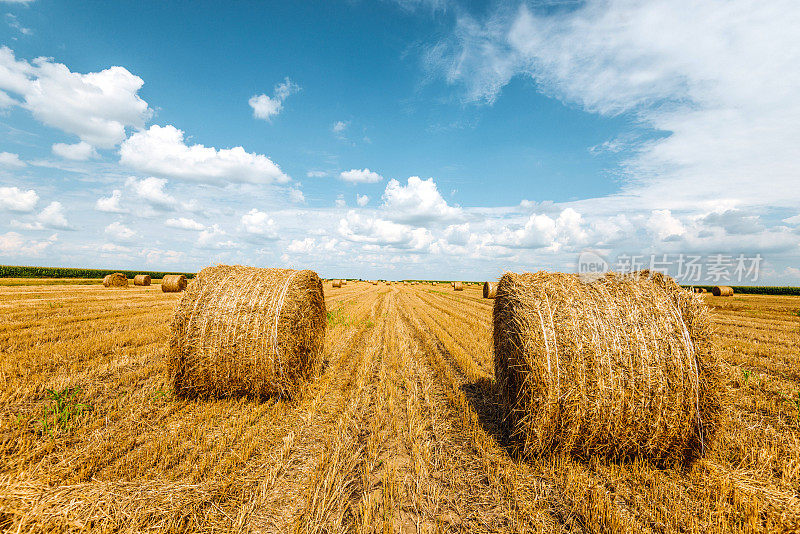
(746, 374)
(64, 408)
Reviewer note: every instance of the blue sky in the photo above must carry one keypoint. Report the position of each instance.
(400, 139)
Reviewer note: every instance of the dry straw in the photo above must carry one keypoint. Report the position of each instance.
(115, 280)
(489, 290)
(141, 280)
(245, 331)
(336, 283)
(722, 291)
(173, 283)
(374, 282)
(617, 367)
(458, 286)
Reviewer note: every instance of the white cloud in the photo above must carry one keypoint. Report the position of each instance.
(297, 196)
(159, 256)
(419, 201)
(9, 159)
(52, 216)
(259, 223)
(160, 150)
(14, 244)
(362, 200)
(793, 220)
(309, 244)
(718, 77)
(151, 190)
(97, 107)
(15, 199)
(265, 107)
(542, 231)
(12, 21)
(80, 151)
(663, 225)
(110, 204)
(184, 223)
(375, 231)
(119, 232)
(340, 202)
(213, 237)
(362, 176)
(340, 126)
(316, 174)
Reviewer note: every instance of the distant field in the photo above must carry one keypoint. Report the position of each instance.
(399, 433)
(12, 271)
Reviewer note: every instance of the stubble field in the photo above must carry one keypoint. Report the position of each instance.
(399, 432)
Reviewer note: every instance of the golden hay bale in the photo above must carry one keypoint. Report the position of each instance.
(141, 280)
(336, 283)
(722, 291)
(245, 331)
(115, 280)
(458, 286)
(173, 283)
(619, 367)
(343, 282)
(489, 290)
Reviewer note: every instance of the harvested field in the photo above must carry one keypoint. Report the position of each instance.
(399, 431)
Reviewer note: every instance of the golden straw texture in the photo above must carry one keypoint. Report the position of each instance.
(722, 291)
(115, 280)
(618, 367)
(245, 331)
(336, 283)
(141, 280)
(173, 283)
(458, 286)
(489, 290)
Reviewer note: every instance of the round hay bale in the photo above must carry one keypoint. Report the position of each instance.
(619, 367)
(245, 331)
(458, 286)
(343, 282)
(173, 283)
(336, 283)
(722, 291)
(141, 280)
(115, 280)
(489, 290)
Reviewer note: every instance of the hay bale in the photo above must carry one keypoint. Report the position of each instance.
(141, 280)
(458, 286)
(343, 282)
(115, 280)
(336, 283)
(245, 331)
(489, 290)
(619, 367)
(173, 283)
(722, 291)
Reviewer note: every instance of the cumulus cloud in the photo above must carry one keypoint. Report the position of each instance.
(81, 151)
(309, 244)
(340, 202)
(419, 201)
(110, 204)
(184, 223)
(265, 107)
(360, 176)
(214, 237)
(161, 151)
(297, 196)
(9, 159)
(52, 216)
(663, 225)
(362, 200)
(151, 190)
(542, 231)
(96, 107)
(339, 127)
(119, 232)
(259, 223)
(15, 199)
(14, 244)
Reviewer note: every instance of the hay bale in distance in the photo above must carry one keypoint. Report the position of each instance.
(489, 290)
(374, 282)
(245, 331)
(619, 367)
(458, 286)
(141, 280)
(173, 283)
(722, 291)
(336, 283)
(115, 280)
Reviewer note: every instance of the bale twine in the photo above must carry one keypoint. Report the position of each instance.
(245, 331)
(618, 367)
(722, 291)
(173, 283)
(489, 290)
(336, 283)
(115, 280)
(458, 286)
(141, 280)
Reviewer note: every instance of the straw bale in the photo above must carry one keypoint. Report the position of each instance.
(722, 291)
(246, 331)
(173, 283)
(115, 280)
(336, 283)
(458, 286)
(141, 280)
(489, 290)
(618, 367)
